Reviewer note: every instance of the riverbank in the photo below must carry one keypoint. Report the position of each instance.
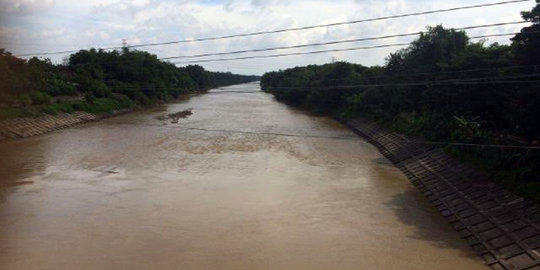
(23, 127)
(31, 126)
(499, 226)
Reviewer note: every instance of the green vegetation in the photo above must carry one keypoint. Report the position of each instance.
(97, 81)
(442, 87)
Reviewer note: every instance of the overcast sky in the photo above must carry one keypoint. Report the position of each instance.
(28, 26)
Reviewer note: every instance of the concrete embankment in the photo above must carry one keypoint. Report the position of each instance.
(501, 227)
(32, 126)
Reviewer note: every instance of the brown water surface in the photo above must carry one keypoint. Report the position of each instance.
(135, 192)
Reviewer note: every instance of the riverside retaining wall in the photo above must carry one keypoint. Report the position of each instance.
(32, 126)
(500, 227)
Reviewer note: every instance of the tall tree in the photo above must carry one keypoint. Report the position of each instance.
(527, 42)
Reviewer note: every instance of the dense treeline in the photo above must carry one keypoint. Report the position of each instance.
(442, 87)
(99, 81)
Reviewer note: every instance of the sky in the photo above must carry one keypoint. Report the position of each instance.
(35, 26)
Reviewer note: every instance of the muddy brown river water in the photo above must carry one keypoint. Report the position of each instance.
(139, 192)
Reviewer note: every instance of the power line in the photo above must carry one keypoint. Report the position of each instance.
(355, 138)
(438, 82)
(317, 44)
(498, 79)
(333, 42)
(534, 67)
(297, 28)
(479, 145)
(257, 90)
(501, 82)
(367, 77)
(239, 58)
(292, 54)
(473, 81)
(439, 72)
(321, 51)
(256, 133)
(429, 83)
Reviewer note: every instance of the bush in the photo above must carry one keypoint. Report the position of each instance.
(59, 85)
(104, 105)
(141, 98)
(412, 123)
(39, 98)
(123, 101)
(25, 100)
(465, 130)
(6, 113)
(53, 109)
(96, 87)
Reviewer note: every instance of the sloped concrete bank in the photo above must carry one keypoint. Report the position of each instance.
(32, 126)
(501, 227)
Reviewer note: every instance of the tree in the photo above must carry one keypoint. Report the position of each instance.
(527, 43)
(432, 51)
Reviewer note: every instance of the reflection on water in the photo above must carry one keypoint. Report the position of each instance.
(134, 192)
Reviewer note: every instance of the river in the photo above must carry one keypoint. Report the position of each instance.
(244, 182)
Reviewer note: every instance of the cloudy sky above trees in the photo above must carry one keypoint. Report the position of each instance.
(29, 26)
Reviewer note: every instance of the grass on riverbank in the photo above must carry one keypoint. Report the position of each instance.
(96, 106)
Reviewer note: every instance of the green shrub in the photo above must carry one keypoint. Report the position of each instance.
(412, 123)
(141, 98)
(95, 87)
(123, 101)
(57, 85)
(25, 100)
(466, 130)
(104, 105)
(6, 113)
(39, 98)
(53, 109)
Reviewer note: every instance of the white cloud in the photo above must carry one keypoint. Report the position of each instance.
(106, 22)
(25, 7)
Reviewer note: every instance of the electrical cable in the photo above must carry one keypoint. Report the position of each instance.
(294, 29)
(321, 51)
(333, 42)
(528, 147)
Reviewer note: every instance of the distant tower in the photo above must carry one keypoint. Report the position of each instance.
(124, 43)
(333, 59)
